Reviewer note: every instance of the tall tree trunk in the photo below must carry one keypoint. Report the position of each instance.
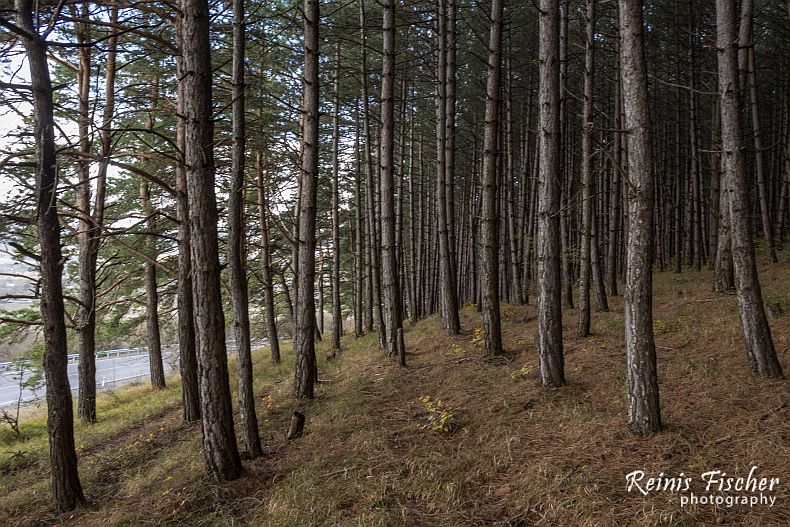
(453, 322)
(694, 169)
(373, 250)
(391, 282)
(304, 338)
(152, 292)
(748, 80)
(587, 177)
(616, 200)
(219, 438)
(267, 274)
(66, 488)
(86, 311)
(337, 317)
(88, 231)
(759, 344)
(644, 413)
(237, 258)
(359, 311)
(187, 336)
(444, 176)
(492, 327)
(552, 367)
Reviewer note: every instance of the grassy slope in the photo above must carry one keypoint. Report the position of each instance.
(518, 453)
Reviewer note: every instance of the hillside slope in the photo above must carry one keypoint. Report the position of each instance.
(514, 453)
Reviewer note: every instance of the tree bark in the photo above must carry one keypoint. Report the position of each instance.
(644, 414)
(219, 438)
(66, 488)
(445, 148)
(373, 252)
(760, 350)
(237, 258)
(492, 328)
(86, 311)
(552, 367)
(304, 338)
(187, 335)
(266, 262)
(587, 177)
(152, 292)
(748, 80)
(337, 317)
(391, 282)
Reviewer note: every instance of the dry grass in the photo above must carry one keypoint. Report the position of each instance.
(517, 454)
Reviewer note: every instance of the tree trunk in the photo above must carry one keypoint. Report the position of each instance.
(359, 311)
(304, 337)
(759, 344)
(492, 328)
(337, 317)
(644, 414)
(152, 292)
(266, 262)
(187, 336)
(748, 80)
(219, 438)
(374, 285)
(445, 134)
(391, 282)
(66, 488)
(548, 255)
(587, 177)
(237, 258)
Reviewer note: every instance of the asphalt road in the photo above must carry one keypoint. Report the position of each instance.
(110, 372)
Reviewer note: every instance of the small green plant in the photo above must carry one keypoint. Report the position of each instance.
(659, 326)
(521, 373)
(440, 417)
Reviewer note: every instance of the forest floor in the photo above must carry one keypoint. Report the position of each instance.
(515, 453)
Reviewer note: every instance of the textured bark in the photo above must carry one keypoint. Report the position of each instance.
(237, 258)
(390, 280)
(66, 488)
(187, 338)
(450, 146)
(444, 172)
(304, 338)
(715, 188)
(373, 249)
(548, 252)
(723, 272)
(587, 177)
(748, 81)
(760, 350)
(359, 309)
(565, 163)
(644, 415)
(696, 243)
(266, 262)
(152, 292)
(614, 209)
(219, 438)
(492, 328)
(337, 317)
(89, 230)
(86, 261)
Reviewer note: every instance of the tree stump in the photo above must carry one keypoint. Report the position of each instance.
(297, 426)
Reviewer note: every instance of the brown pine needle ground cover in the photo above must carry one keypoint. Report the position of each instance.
(513, 453)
